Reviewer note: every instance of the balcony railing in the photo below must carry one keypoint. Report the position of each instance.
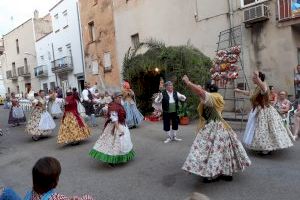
(288, 9)
(23, 71)
(62, 65)
(11, 75)
(41, 71)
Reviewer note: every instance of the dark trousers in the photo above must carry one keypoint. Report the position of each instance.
(167, 117)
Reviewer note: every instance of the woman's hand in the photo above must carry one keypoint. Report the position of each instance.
(185, 79)
(237, 90)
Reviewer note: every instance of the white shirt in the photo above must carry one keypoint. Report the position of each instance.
(181, 97)
(85, 95)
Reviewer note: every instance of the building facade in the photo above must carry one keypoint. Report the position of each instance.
(99, 43)
(2, 60)
(20, 59)
(66, 48)
(270, 41)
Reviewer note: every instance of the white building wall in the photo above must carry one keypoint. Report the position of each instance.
(66, 32)
(44, 57)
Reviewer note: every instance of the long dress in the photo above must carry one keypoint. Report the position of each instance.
(133, 115)
(40, 122)
(72, 128)
(54, 105)
(114, 145)
(265, 130)
(216, 149)
(13, 119)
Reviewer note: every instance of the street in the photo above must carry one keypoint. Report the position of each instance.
(155, 173)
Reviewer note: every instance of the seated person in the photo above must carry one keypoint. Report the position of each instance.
(45, 176)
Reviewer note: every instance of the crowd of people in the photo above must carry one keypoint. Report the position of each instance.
(216, 153)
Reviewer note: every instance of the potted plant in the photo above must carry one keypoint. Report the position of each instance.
(183, 114)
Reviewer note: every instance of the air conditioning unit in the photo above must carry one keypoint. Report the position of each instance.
(256, 14)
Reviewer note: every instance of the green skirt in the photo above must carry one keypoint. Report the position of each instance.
(116, 159)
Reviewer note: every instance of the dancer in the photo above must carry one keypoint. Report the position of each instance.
(54, 105)
(16, 114)
(170, 104)
(40, 123)
(133, 116)
(114, 145)
(88, 104)
(216, 151)
(265, 130)
(72, 129)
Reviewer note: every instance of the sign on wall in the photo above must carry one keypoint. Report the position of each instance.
(295, 7)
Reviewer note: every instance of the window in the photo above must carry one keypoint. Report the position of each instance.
(26, 65)
(60, 49)
(92, 31)
(65, 19)
(107, 61)
(17, 46)
(135, 40)
(13, 69)
(95, 67)
(250, 2)
(52, 85)
(56, 23)
(42, 58)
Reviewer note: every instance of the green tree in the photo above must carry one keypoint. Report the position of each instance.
(144, 66)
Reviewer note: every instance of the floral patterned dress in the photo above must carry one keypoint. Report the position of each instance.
(216, 150)
(32, 127)
(265, 130)
(72, 128)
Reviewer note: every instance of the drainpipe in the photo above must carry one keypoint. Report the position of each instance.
(230, 18)
(80, 38)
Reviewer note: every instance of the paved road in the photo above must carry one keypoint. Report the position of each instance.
(154, 174)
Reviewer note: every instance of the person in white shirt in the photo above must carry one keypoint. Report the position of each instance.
(88, 104)
(170, 99)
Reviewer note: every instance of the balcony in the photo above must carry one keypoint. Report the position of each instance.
(23, 71)
(288, 12)
(62, 65)
(11, 75)
(41, 71)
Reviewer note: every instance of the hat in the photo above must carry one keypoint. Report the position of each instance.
(117, 94)
(168, 83)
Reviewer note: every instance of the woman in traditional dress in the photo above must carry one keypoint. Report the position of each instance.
(216, 151)
(133, 116)
(16, 114)
(114, 145)
(40, 122)
(265, 130)
(45, 177)
(72, 129)
(54, 105)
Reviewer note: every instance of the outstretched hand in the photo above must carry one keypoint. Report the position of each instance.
(185, 78)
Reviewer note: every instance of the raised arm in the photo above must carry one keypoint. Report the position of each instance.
(196, 89)
(244, 92)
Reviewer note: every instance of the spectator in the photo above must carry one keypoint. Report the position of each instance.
(45, 176)
(297, 122)
(59, 92)
(283, 105)
(7, 193)
(273, 95)
(297, 81)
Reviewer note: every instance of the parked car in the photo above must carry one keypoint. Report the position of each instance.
(1, 100)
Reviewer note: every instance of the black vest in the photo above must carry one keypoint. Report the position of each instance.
(165, 101)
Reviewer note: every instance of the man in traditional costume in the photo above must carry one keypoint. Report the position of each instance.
(170, 104)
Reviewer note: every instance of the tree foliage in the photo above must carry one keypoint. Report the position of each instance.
(144, 66)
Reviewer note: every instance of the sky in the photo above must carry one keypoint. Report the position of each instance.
(14, 12)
